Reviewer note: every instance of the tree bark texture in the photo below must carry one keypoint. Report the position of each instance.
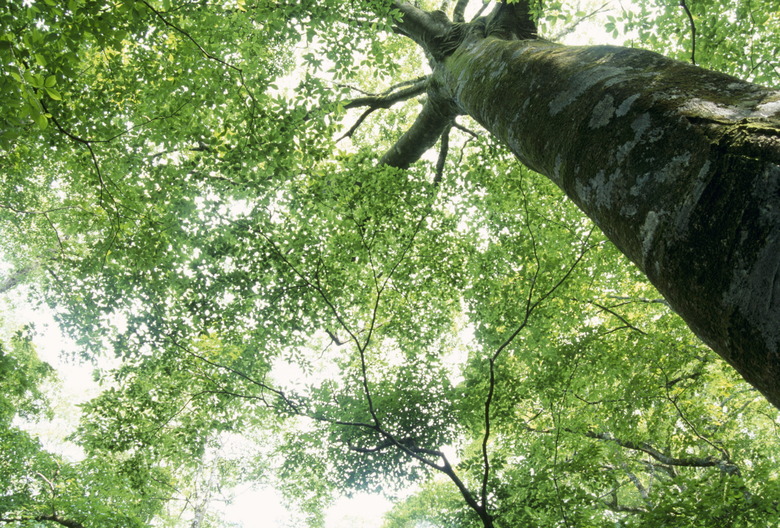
(679, 166)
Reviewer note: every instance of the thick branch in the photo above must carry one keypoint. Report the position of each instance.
(434, 118)
(459, 13)
(443, 151)
(386, 100)
(421, 26)
(389, 99)
(511, 21)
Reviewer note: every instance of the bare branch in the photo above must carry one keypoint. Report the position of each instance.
(41, 518)
(420, 26)
(464, 129)
(422, 78)
(637, 483)
(511, 21)
(531, 305)
(386, 100)
(615, 507)
(88, 144)
(693, 31)
(433, 119)
(642, 300)
(390, 442)
(279, 394)
(620, 317)
(570, 28)
(459, 13)
(189, 37)
(335, 339)
(693, 428)
(443, 150)
(356, 125)
(724, 465)
(481, 10)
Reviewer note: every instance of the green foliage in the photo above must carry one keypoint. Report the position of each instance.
(21, 373)
(666, 26)
(173, 186)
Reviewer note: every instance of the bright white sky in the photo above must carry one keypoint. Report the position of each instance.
(249, 508)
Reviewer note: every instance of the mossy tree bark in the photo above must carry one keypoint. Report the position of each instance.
(679, 166)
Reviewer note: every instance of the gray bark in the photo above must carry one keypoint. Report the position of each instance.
(679, 166)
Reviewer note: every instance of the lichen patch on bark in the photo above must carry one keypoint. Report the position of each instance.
(666, 158)
(603, 112)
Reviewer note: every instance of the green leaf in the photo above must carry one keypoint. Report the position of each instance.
(54, 94)
(42, 121)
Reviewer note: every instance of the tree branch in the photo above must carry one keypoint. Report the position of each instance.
(433, 119)
(615, 507)
(693, 31)
(39, 518)
(459, 13)
(530, 307)
(388, 99)
(385, 100)
(620, 317)
(570, 28)
(443, 151)
(421, 26)
(724, 465)
(511, 21)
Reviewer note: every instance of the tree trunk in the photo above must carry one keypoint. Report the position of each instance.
(679, 166)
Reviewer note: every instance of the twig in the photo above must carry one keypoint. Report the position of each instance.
(622, 319)
(684, 5)
(531, 306)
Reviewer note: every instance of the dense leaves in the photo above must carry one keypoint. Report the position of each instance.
(178, 184)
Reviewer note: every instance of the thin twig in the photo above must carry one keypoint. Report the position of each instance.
(684, 5)
(622, 319)
(531, 306)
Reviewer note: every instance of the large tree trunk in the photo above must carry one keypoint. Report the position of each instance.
(679, 166)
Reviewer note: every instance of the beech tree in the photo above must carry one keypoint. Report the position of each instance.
(675, 164)
(206, 191)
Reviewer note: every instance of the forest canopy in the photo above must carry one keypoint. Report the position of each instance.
(291, 266)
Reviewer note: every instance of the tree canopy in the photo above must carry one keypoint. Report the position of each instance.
(258, 208)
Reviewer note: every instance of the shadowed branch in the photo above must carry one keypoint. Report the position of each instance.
(433, 120)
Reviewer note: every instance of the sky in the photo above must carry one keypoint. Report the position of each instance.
(250, 506)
